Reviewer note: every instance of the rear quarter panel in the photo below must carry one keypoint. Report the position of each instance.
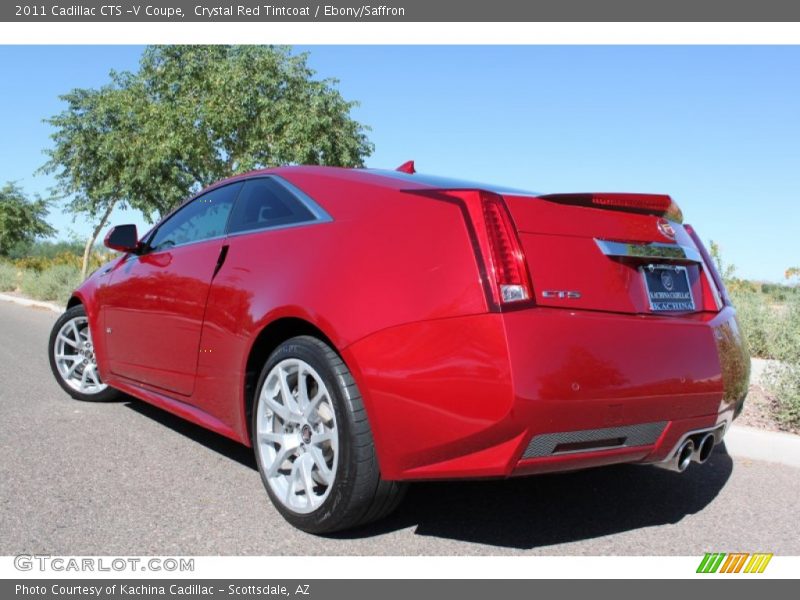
(388, 258)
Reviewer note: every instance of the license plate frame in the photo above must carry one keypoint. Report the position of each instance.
(668, 288)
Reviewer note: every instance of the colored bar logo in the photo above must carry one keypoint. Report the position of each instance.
(735, 562)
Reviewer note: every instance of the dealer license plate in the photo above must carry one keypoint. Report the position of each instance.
(668, 288)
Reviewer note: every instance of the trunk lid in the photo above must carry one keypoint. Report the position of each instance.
(625, 253)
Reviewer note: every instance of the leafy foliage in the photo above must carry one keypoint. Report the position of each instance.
(215, 111)
(54, 283)
(21, 219)
(70, 259)
(783, 377)
(192, 115)
(45, 249)
(9, 278)
(769, 315)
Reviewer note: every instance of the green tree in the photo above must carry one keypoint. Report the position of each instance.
(215, 111)
(94, 150)
(22, 220)
(192, 115)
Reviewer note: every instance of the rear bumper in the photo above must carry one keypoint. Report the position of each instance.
(545, 390)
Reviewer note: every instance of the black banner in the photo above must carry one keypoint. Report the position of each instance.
(397, 589)
(402, 10)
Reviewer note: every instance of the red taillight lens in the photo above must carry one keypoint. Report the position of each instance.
(711, 268)
(507, 264)
(651, 204)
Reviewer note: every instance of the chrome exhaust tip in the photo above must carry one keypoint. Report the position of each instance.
(681, 459)
(704, 448)
(684, 456)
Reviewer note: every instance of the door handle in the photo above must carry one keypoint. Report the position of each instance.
(223, 254)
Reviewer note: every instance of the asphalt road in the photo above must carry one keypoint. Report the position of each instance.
(127, 479)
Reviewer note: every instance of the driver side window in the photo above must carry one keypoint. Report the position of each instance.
(203, 218)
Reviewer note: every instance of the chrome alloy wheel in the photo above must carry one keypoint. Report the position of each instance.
(296, 435)
(75, 359)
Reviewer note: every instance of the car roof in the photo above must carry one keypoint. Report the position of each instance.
(379, 177)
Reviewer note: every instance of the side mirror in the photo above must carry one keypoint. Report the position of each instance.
(122, 238)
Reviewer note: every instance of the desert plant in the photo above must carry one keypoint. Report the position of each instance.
(42, 263)
(55, 283)
(783, 377)
(785, 332)
(47, 249)
(9, 280)
(754, 318)
(783, 380)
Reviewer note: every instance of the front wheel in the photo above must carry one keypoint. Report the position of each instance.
(72, 358)
(313, 443)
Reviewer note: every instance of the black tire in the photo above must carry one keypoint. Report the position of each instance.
(358, 495)
(105, 395)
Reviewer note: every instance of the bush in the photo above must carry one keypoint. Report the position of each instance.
(46, 249)
(786, 335)
(42, 263)
(55, 283)
(9, 278)
(755, 320)
(772, 331)
(783, 380)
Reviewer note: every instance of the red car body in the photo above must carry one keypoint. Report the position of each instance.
(403, 278)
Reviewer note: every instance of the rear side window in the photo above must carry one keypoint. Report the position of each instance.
(265, 203)
(201, 219)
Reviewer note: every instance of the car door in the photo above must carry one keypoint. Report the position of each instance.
(155, 301)
(249, 284)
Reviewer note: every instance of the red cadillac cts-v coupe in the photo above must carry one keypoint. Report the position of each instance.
(363, 328)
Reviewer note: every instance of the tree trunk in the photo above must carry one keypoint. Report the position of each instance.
(87, 250)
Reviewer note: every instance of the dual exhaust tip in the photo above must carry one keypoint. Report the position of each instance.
(694, 449)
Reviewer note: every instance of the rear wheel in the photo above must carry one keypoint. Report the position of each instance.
(72, 358)
(313, 443)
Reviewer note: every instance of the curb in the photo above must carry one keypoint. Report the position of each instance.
(32, 303)
(768, 446)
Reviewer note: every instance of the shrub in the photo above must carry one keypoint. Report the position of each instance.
(783, 380)
(9, 278)
(42, 263)
(55, 283)
(46, 249)
(754, 318)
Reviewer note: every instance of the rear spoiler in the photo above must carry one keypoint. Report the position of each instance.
(649, 204)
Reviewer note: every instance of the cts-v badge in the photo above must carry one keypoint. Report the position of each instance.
(571, 294)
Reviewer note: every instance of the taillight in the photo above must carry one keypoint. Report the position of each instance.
(498, 252)
(651, 204)
(507, 261)
(711, 268)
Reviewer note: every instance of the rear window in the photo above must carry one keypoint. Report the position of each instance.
(446, 183)
(264, 203)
